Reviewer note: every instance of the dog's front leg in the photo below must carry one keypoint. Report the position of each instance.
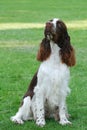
(40, 113)
(62, 112)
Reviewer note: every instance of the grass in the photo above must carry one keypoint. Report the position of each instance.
(41, 10)
(18, 49)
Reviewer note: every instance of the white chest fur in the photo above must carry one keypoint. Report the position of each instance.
(53, 77)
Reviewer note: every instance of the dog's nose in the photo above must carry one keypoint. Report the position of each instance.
(49, 24)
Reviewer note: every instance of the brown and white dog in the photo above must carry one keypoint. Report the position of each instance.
(47, 92)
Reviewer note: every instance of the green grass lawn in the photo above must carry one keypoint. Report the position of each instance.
(18, 49)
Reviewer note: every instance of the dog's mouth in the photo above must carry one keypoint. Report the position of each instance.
(49, 31)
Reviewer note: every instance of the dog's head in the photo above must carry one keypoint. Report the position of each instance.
(56, 31)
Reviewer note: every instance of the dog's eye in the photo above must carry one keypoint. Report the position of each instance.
(51, 20)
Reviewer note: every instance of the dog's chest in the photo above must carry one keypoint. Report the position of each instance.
(52, 97)
(54, 86)
(52, 73)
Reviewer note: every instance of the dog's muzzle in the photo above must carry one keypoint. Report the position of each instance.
(48, 30)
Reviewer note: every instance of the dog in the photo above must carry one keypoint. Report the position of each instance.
(47, 92)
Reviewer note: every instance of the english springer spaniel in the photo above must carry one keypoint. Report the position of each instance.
(47, 92)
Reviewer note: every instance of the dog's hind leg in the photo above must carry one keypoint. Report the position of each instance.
(24, 113)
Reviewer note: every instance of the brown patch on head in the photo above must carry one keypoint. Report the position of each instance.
(61, 32)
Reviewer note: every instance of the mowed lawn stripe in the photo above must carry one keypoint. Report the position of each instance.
(82, 24)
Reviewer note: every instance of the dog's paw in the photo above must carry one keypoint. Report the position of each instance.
(16, 120)
(64, 121)
(40, 122)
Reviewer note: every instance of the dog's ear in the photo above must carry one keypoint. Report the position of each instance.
(67, 52)
(44, 51)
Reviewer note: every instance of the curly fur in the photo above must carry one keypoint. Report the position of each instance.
(44, 51)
